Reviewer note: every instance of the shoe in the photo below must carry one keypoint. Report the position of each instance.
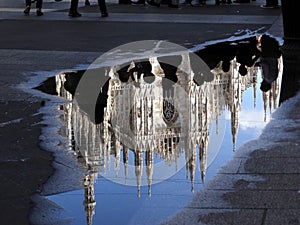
(269, 6)
(173, 6)
(27, 10)
(39, 12)
(104, 14)
(58, 0)
(139, 2)
(74, 14)
(87, 2)
(152, 3)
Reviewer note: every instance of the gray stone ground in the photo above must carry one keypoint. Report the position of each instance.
(259, 186)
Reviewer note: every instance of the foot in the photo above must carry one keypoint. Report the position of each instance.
(104, 14)
(152, 3)
(39, 12)
(74, 14)
(27, 10)
(269, 6)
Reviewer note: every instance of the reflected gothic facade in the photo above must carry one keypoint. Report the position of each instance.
(150, 122)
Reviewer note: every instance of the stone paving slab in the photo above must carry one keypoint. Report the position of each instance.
(281, 216)
(261, 165)
(193, 216)
(255, 181)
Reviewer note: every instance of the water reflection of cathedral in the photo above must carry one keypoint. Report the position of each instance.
(149, 121)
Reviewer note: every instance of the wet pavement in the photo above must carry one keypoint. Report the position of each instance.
(252, 189)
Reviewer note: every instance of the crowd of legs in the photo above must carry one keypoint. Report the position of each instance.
(73, 11)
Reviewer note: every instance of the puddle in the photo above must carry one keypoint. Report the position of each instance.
(148, 145)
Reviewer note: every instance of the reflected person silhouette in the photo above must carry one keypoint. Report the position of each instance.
(270, 52)
(247, 54)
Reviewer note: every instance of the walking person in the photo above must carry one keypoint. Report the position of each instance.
(39, 4)
(270, 4)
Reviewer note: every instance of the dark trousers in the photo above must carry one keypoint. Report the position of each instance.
(39, 3)
(102, 5)
(74, 5)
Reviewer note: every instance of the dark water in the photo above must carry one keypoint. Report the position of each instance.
(150, 141)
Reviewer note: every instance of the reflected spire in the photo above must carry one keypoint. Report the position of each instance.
(117, 156)
(265, 100)
(234, 127)
(89, 198)
(125, 162)
(149, 169)
(254, 90)
(138, 165)
(203, 156)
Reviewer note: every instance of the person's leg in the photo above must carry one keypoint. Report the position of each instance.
(103, 8)
(28, 3)
(27, 8)
(73, 9)
(39, 4)
(74, 5)
(270, 69)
